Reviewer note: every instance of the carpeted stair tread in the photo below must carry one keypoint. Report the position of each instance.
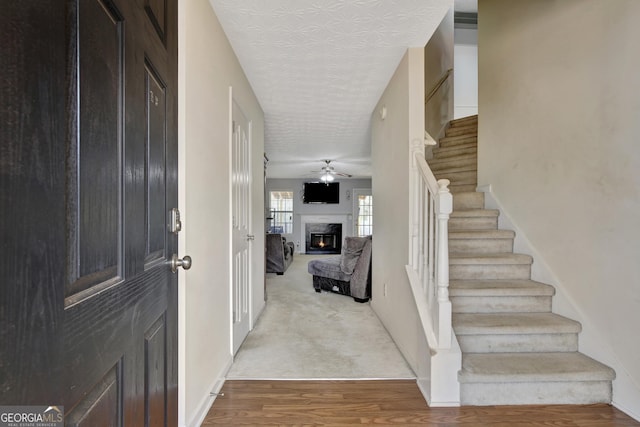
(469, 129)
(464, 177)
(492, 240)
(475, 213)
(532, 367)
(455, 168)
(454, 151)
(481, 234)
(489, 259)
(462, 188)
(513, 323)
(469, 161)
(456, 141)
(472, 219)
(499, 288)
(463, 121)
(463, 125)
(458, 176)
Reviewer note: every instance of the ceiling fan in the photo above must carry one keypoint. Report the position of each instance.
(328, 173)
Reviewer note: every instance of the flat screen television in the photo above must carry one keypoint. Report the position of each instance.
(319, 192)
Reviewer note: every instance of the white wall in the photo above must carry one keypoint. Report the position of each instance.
(391, 139)
(345, 207)
(208, 67)
(465, 77)
(438, 60)
(559, 109)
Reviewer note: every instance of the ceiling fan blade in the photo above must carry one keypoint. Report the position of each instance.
(328, 169)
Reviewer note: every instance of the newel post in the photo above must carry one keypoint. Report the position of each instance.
(444, 207)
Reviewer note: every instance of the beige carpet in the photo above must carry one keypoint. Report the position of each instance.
(305, 335)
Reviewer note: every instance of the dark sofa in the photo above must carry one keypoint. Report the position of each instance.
(279, 253)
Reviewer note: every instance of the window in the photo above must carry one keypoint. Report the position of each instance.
(281, 208)
(364, 226)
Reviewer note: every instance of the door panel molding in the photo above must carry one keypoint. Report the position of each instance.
(95, 148)
(155, 165)
(102, 405)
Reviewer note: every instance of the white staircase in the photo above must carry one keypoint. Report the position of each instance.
(514, 349)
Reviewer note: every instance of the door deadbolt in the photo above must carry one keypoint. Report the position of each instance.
(175, 225)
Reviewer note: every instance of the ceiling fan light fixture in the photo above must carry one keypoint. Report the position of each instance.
(327, 177)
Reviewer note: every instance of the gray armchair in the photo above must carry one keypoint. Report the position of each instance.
(279, 253)
(348, 273)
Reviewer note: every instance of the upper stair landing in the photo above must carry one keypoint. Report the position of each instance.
(456, 156)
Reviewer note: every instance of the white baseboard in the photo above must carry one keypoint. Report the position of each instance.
(423, 386)
(632, 412)
(207, 400)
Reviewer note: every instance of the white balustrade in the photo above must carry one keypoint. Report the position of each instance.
(431, 205)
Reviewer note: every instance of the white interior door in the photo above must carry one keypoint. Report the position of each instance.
(241, 218)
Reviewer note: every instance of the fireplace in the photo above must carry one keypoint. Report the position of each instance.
(323, 238)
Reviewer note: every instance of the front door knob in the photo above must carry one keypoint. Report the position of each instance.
(176, 263)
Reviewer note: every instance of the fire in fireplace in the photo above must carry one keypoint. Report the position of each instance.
(324, 241)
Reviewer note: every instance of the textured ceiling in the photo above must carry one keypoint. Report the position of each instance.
(318, 68)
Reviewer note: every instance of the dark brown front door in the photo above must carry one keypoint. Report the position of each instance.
(88, 175)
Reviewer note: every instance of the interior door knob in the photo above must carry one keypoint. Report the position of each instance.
(176, 263)
(251, 237)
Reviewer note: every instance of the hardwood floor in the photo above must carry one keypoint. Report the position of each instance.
(389, 402)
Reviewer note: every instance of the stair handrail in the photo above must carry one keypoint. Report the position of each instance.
(437, 86)
(430, 206)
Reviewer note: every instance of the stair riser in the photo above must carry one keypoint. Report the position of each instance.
(488, 272)
(461, 130)
(463, 123)
(480, 246)
(457, 183)
(458, 176)
(455, 152)
(478, 223)
(541, 393)
(513, 304)
(466, 162)
(518, 343)
(473, 200)
(456, 142)
(461, 177)
(450, 170)
(464, 188)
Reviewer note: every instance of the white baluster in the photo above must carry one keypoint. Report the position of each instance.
(444, 207)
